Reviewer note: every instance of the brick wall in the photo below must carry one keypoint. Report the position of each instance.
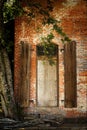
(73, 16)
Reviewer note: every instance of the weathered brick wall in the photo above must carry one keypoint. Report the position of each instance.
(73, 16)
(77, 20)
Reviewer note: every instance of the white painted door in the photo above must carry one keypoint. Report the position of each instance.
(46, 83)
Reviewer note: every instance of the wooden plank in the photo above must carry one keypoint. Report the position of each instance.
(70, 74)
(24, 74)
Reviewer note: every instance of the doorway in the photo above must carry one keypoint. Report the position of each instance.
(47, 79)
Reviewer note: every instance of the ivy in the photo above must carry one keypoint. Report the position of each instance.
(50, 20)
(46, 42)
(37, 8)
(11, 10)
(14, 9)
(59, 30)
(48, 48)
(48, 45)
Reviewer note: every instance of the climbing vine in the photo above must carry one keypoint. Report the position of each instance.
(48, 48)
(46, 42)
(32, 9)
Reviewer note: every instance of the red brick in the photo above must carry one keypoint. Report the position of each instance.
(75, 25)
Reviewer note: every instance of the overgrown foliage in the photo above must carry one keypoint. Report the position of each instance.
(48, 48)
(13, 8)
(33, 9)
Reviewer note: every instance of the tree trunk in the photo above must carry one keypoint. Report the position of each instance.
(8, 103)
(6, 86)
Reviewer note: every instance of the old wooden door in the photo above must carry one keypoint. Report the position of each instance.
(47, 82)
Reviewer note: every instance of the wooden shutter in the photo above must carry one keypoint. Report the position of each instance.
(24, 74)
(70, 74)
